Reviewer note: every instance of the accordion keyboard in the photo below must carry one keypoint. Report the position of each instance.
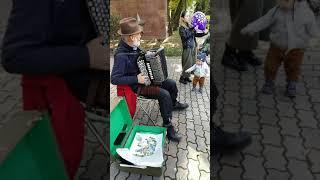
(143, 70)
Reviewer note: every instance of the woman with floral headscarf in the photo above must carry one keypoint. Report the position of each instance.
(188, 33)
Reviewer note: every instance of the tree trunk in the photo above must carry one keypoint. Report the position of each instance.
(200, 6)
(176, 16)
(169, 19)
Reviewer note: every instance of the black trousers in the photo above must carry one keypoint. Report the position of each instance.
(216, 137)
(215, 93)
(166, 94)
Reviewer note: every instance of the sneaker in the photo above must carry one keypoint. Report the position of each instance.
(180, 106)
(291, 89)
(268, 87)
(229, 142)
(193, 89)
(231, 60)
(200, 90)
(250, 58)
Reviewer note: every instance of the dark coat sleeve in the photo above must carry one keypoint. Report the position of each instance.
(185, 34)
(26, 46)
(200, 34)
(118, 75)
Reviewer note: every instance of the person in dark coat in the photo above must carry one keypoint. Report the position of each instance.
(125, 71)
(188, 36)
(57, 37)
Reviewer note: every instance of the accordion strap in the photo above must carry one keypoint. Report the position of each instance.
(92, 91)
(97, 94)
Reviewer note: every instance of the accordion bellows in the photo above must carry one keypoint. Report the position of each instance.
(152, 64)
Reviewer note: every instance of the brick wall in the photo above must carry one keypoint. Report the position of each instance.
(153, 12)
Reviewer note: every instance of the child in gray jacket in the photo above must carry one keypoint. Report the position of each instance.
(292, 25)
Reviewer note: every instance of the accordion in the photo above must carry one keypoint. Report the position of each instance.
(152, 64)
(99, 11)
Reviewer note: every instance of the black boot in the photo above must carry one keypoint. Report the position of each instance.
(172, 134)
(180, 106)
(188, 80)
(231, 60)
(250, 58)
(183, 80)
(226, 142)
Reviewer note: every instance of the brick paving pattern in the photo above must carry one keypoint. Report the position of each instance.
(285, 131)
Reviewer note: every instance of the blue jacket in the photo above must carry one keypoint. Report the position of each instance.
(188, 36)
(50, 38)
(125, 68)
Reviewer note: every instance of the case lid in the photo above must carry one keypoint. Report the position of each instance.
(120, 123)
(14, 130)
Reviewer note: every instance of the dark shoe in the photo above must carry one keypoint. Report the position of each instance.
(172, 134)
(231, 60)
(193, 89)
(291, 89)
(227, 142)
(188, 79)
(182, 80)
(250, 58)
(268, 87)
(200, 90)
(180, 106)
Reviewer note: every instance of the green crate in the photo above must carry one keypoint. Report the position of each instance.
(35, 156)
(120, 117)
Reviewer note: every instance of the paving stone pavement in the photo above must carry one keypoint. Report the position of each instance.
(190, 158)
(285, 131)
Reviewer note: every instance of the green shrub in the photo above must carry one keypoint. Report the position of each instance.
(114, 26)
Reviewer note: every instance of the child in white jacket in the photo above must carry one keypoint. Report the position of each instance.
(201, 70)
(292, 24)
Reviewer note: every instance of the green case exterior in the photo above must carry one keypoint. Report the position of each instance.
(35, 157)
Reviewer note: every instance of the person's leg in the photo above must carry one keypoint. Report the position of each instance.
(272, 64)
(201, 83)
(292, 66)
(247, 12)
(234, 7)
(171, 86)
(195, 82)
(165, 102)
(187, 62)
(242, 13)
